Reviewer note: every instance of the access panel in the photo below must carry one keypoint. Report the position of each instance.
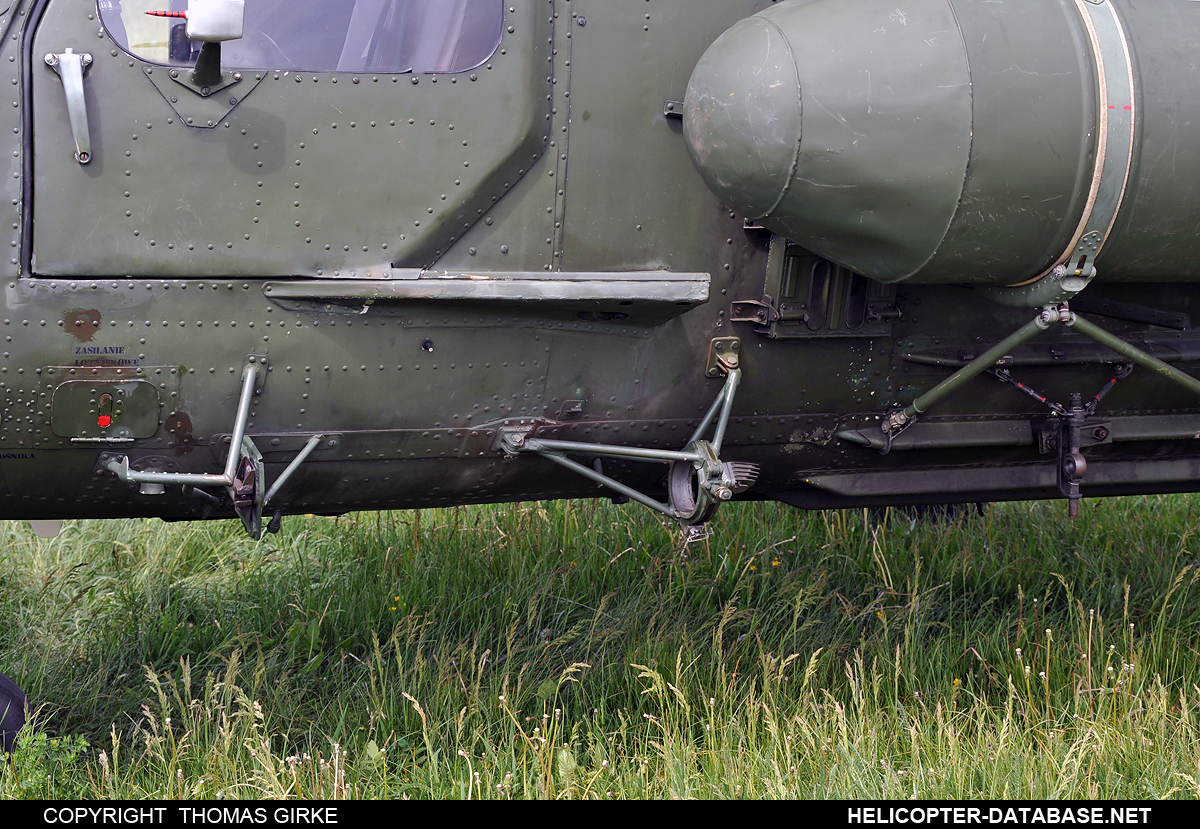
(350, 137)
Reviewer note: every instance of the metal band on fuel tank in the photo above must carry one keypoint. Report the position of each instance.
(1114, 146)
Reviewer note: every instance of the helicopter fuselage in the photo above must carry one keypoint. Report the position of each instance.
(403, 276)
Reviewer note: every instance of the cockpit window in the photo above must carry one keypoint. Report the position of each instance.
(323, 35)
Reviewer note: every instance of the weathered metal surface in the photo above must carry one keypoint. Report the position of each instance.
(958, 141)
(88, 410)
(1065, 351)
(598, 297)
(582, 304)
(253, 195)
(845, 127)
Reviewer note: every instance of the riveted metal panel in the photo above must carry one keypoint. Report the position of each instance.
(69, 402)
(79, 409)
(633, 199)
(317, 174)
(11, 150)
(18, 418)
(521, 232)
(410, 379)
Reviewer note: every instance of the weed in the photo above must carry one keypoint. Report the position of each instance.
(576, 650)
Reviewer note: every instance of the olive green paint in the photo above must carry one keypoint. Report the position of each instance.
(571, 282)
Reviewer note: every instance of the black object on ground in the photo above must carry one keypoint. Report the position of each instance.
(12, 712)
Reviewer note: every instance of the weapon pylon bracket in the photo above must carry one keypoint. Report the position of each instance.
(698, 481)
(1071, 464)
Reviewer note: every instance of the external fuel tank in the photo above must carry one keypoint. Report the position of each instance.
(962, 141)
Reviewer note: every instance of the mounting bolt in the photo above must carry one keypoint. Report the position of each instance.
(174, 73)
(1100, 433)
(723, 493)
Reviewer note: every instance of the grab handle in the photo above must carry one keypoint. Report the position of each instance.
(70, 68)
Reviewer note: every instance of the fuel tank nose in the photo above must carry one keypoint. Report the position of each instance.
(845, 127)
(742, 116)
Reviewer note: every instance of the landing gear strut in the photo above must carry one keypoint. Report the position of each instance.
(243, 478)
(698, 481)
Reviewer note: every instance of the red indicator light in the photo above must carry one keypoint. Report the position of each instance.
(105, 414)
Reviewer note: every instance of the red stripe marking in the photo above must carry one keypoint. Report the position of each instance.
(1129, 107)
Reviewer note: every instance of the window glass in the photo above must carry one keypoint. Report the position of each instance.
(323, 35)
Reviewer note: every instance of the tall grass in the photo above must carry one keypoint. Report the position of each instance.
(578, 649)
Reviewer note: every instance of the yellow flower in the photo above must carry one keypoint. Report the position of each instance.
(957, 681)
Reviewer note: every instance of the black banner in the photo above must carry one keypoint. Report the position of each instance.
(1003, 813)
(198, 813)
(903, 814)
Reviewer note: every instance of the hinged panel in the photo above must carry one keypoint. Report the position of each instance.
(69, 404)
(90, 409)
(329, 173)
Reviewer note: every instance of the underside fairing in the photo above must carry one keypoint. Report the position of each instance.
(416, 397)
